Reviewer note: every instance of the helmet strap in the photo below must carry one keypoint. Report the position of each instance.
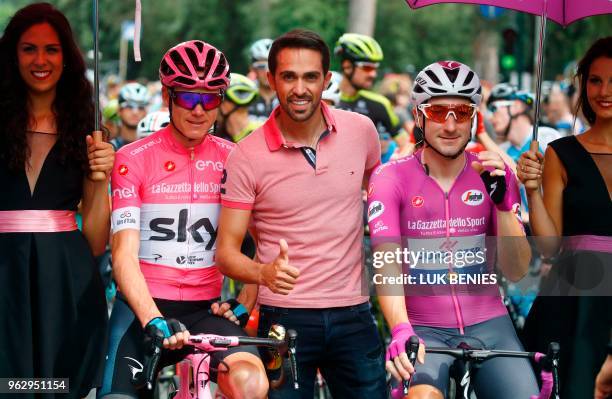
(513, 117)
(350, 77)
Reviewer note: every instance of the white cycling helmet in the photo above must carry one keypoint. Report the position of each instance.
(151, 123)
(446, 78)
(260, 49)
(133, 93)
(332, 92)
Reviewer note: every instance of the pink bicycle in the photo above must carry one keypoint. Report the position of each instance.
(194, 370)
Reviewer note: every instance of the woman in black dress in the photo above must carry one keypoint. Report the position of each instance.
(575, 305)
(52, 308)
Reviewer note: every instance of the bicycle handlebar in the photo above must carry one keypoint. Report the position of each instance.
(212, 343)
(548, 362)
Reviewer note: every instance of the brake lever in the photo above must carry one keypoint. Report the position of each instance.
(413, 349)
(292, 334)
(153, 349)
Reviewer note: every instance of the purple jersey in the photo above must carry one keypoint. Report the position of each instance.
(408, 207)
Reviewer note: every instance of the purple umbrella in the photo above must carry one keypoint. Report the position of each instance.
(563, 12)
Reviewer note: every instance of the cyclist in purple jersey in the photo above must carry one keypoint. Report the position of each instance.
(444, 200)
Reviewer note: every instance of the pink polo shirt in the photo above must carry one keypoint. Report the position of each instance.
(317, 209)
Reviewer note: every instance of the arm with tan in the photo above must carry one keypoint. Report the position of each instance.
(95, 206)
(279, 276)
(545, 209)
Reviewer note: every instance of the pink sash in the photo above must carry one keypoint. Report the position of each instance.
(35, 221)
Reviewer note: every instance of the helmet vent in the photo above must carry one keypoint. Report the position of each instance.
(452, 74)
(436, 90)
(433, 77)
(184, 81)
(468, 78)
(220, 67)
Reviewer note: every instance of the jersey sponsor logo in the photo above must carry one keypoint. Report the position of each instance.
(190, 260)
(379, 227)
(449, 245)
(123, 170)
(179, 188)
(472, 197)
(126, 217)
(176, 229)
(157, 257)
(148, 144)
(438, 224)
(169, 166)
(375, 209)
(124, 193)
(370, 190)
(203, 165)
(382, 167)
(135, 366)
(418, 201)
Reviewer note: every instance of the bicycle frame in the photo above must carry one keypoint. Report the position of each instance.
(200, 364)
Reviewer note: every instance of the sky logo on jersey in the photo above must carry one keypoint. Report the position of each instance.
(472, 197)
(122, 170)
(165, 227)
(418, 201)
(375, 209)
(169, 166)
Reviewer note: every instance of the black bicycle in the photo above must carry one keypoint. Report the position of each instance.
(470, 357)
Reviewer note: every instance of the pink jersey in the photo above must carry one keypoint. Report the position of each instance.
(171, 194)
(408, 207)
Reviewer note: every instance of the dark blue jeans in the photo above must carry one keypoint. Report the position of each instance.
(342, 343)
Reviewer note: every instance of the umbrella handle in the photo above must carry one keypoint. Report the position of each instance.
(97, 175)
(534, 146)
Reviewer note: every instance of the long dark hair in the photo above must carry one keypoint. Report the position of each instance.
(601, 48)
(72, 106)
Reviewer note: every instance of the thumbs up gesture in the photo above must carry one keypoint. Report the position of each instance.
(279, 276)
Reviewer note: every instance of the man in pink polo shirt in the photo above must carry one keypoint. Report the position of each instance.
(296, 184)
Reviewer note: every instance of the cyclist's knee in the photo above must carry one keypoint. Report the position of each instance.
(245, 379)
(424, 392)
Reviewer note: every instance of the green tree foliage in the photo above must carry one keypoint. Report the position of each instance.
(419, 37)
(408, 37)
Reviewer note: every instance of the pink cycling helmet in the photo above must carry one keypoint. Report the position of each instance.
(194, 65)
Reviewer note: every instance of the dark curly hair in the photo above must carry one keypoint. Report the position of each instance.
(73, 106)
(601, 48)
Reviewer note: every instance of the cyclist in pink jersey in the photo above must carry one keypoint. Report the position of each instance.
(438, 206)
(166, 199)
